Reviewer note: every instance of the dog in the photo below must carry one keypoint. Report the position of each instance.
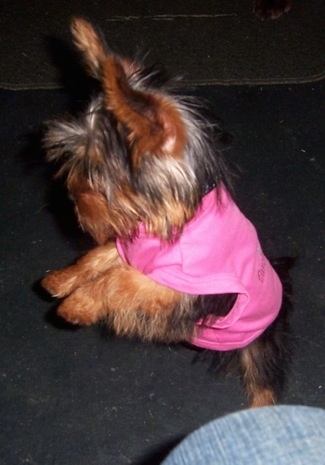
(271, 9)
(175, 259)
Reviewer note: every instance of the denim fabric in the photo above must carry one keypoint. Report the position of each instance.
(280, 435)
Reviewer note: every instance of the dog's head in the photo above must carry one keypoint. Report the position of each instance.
(139, 153)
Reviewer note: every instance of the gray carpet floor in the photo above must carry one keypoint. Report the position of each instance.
(207, 42)
(82, 397)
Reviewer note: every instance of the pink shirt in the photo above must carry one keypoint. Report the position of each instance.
(218, 252)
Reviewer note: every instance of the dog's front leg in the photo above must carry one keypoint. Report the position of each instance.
(131, 303)
(60, 283)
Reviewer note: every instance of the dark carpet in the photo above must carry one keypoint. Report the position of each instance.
(86, 397)
(210, 42)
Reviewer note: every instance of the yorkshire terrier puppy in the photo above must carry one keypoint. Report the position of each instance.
(176, 260)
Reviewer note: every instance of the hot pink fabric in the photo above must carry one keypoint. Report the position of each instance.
(218, 252)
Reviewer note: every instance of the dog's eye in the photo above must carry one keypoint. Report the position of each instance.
(71, 197)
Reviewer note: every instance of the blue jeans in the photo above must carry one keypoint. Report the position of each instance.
(279, 435)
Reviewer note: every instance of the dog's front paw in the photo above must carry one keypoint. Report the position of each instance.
(80, 308)
(59, 283)
(271, 9)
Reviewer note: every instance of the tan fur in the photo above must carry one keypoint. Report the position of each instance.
(101, 286)
(61, 283)
(154, 124)
(88, 42)
(91, 209)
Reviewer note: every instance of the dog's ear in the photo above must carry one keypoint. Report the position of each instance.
(91, 44)
(153, 122)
